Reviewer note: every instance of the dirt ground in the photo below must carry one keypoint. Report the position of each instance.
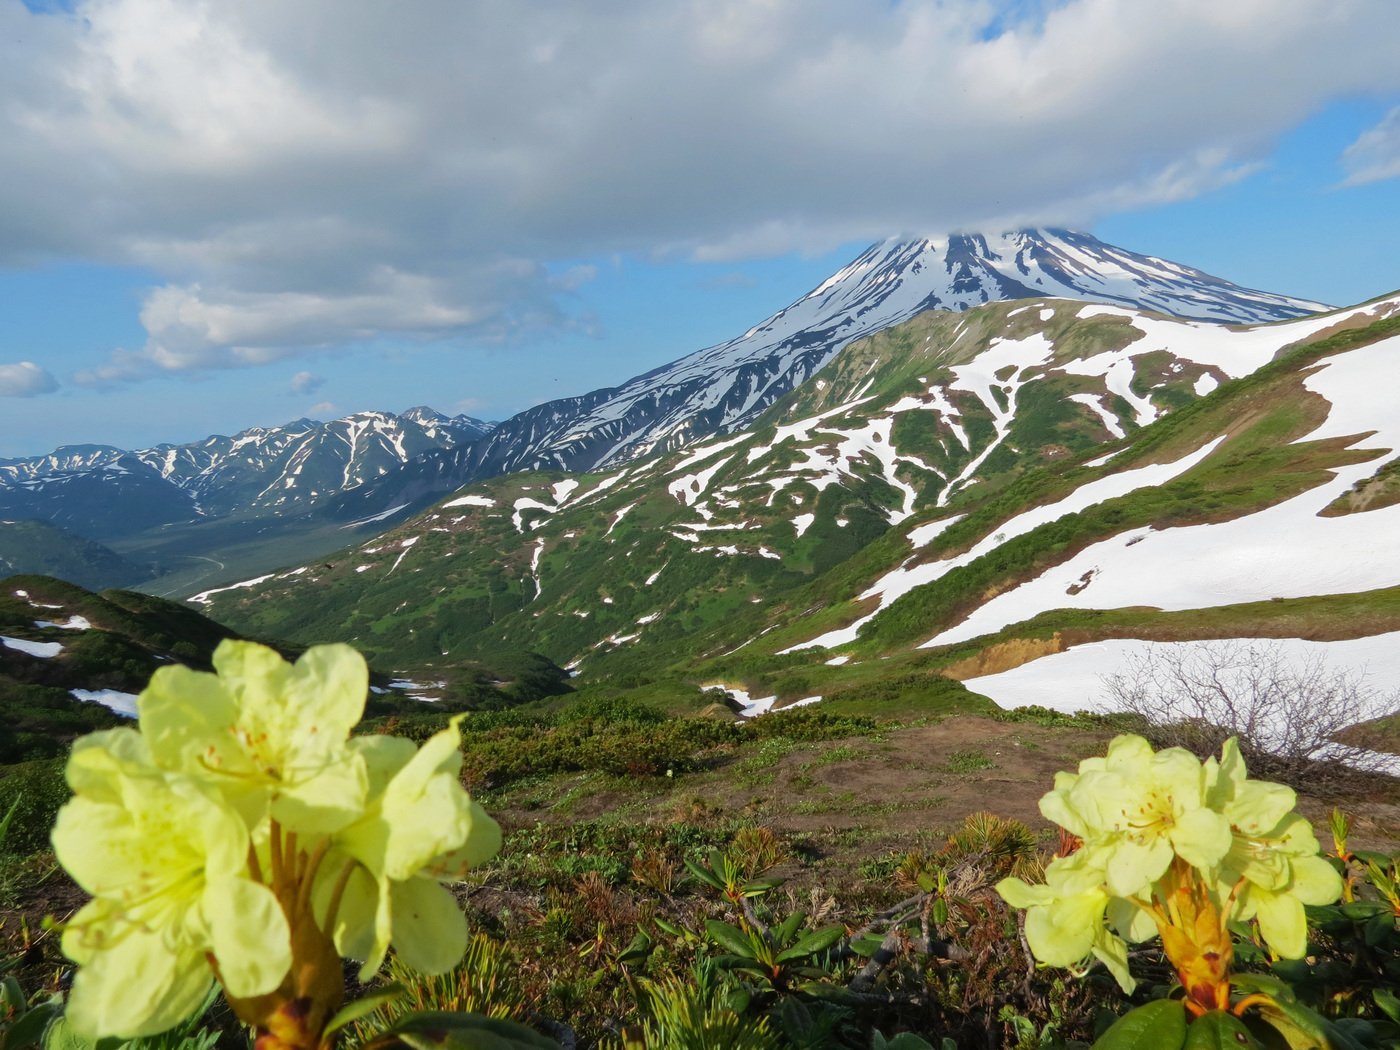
(908, 788)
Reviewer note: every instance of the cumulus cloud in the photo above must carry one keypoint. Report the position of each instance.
(422, 172)
(25, 379)
(307, 382)
(1375, 155)
(323, 410)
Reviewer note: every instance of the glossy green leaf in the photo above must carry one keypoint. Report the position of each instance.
(787, 929)
(730, 937)
(12, 995)
(453, 1031)
(704, 874)
(28, 1029)
(1303, 1028)
(1219, 1030)
(816, 941)
(1156, 1026)
(638, 948)
(1263, 984)
(1389, 1004)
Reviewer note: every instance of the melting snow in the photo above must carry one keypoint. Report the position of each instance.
(1282, 551)
(206, 597)
(73, 623)
(560, 490)
(617, 518)
(373, 517)
(1073, 680)
(705, 452)
(471, 501)
(1110, 421)
(121, 703)
(899, 582)
(691, 487)
(43, 650)
(802, 522)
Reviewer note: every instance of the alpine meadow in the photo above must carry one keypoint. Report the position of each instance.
(408, 641)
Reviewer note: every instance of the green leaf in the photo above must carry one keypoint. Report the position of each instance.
(1377, 930)
(453, 1031)
(758, 887)
(1264, 984)
(638, 948)
(9, 817)
(12, 995)
(670, 928)
(868, 945)
(1302, 1028)
(785, 930)
(816, 941)
(730, 937)
(704, 874)
(28, 1030)
(1388, 1003)
(1219, 1030)
(1156, 1026)
(351, 1012)
(60, 1036)
(903, 1041)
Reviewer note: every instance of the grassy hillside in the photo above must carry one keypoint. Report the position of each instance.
(47, 550)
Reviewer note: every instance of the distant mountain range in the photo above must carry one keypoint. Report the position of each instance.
(103, 492)
(306, 480)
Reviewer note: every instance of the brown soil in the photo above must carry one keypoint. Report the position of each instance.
(857, 799)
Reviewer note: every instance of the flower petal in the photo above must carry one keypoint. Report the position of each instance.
(136, 986)
(1201, 837)
(1258, 806)
(1063, 932)
(430, 931)
(1315, 881)
(1113, 953)
(1282, 921)
(1021, 894)
(249, 936)
(1134, 866)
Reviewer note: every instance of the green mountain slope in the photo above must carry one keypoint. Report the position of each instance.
(888, 499)
(49, 550)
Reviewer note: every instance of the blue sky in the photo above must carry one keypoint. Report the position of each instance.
(207, 225)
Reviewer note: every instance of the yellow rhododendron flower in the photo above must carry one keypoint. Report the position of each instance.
(241, 835)
(1273, 852)
(271, 735)
(166, 861)
(1141, 808)
(1066, 917)
(419, 828)
(1178, 847)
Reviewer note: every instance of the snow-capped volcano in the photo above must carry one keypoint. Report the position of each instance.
(723, 388)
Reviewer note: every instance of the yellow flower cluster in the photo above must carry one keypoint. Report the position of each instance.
(1176, 847)
(240, 833)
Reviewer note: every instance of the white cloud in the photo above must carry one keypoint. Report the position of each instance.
(322, 410)
(307, 382)
(25, 379)
(424, 169)
(1375, 155)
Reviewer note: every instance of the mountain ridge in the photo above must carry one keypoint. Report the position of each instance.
(102, 491)
(721, 389)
